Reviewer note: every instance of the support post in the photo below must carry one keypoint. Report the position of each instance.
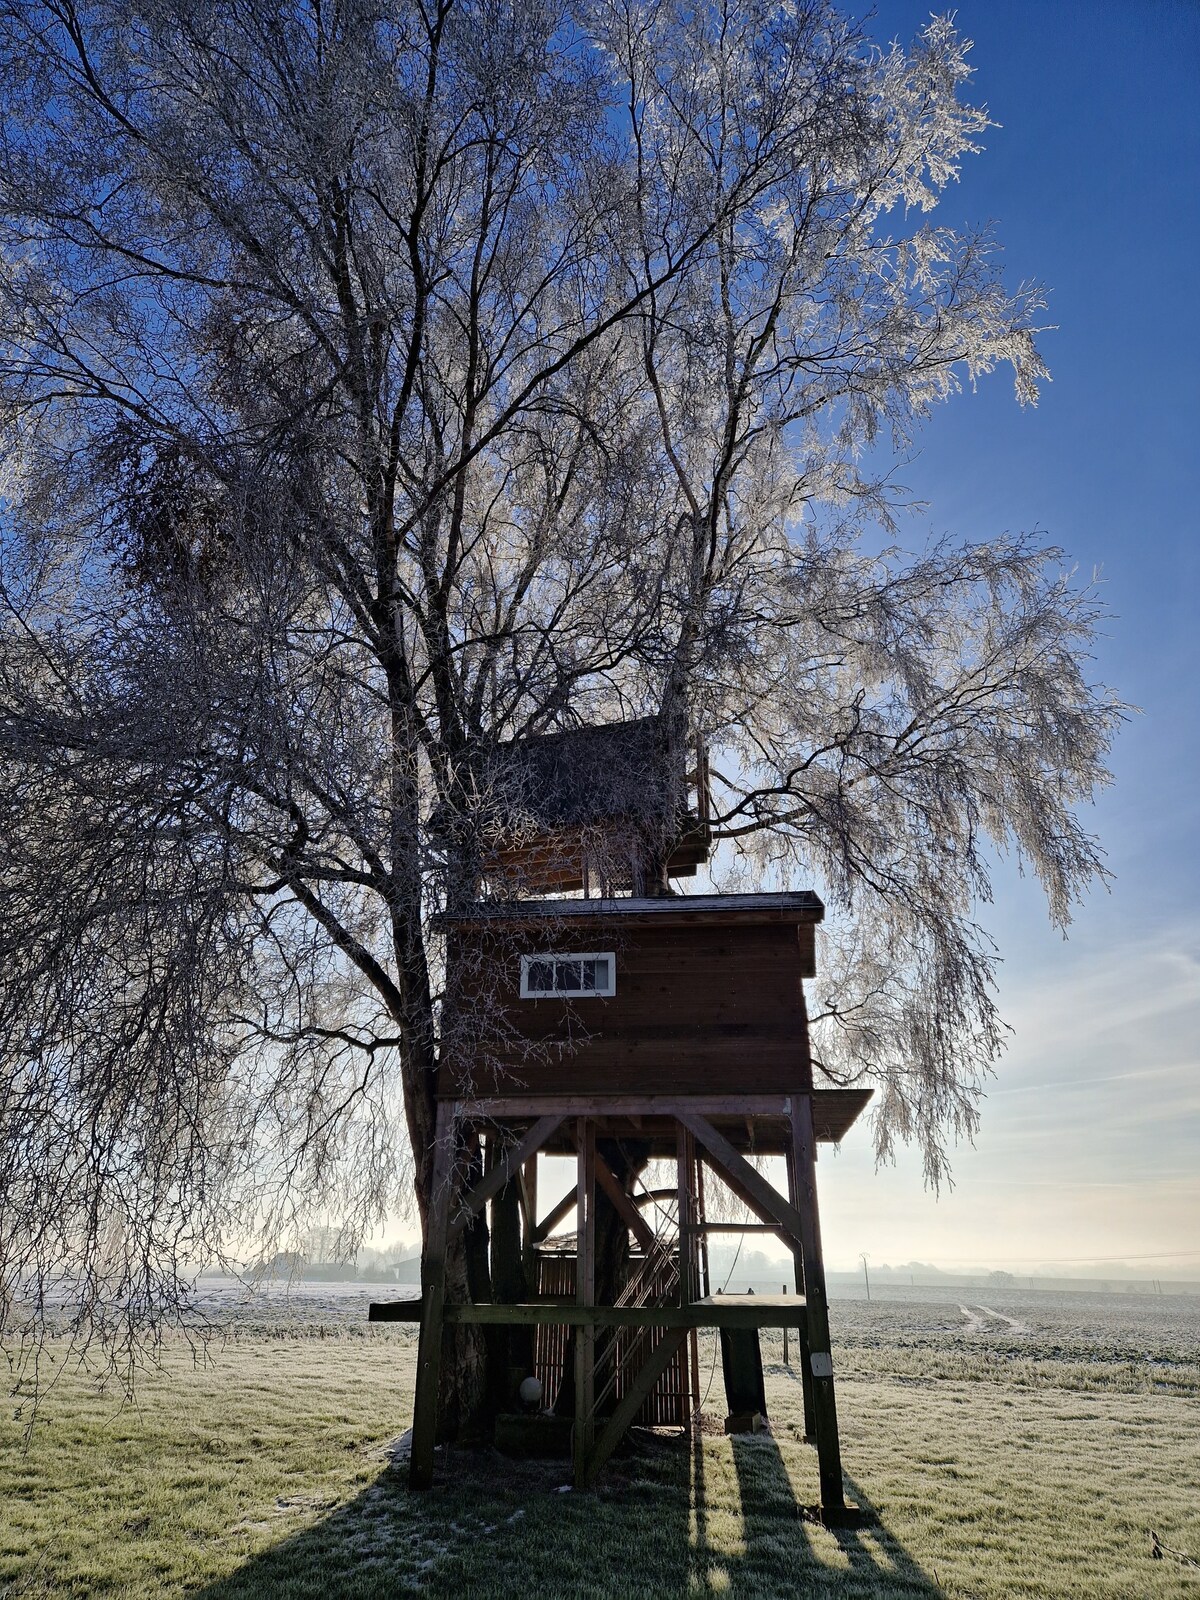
(528, 1191)
(818, 1356)
(433, 1299)
(585, 1295)
(702, 1253)
(529, 1176)
(696, 1173)
(806, 1377)
(683, 1155)
(685, 1206)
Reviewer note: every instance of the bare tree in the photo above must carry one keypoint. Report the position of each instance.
(385, 382)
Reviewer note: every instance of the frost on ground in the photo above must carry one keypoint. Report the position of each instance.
(1030, 1457)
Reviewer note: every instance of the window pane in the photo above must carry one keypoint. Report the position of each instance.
(595, 973)
(540, 979)
(546, 975)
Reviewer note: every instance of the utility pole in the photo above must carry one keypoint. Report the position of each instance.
(866, 1274)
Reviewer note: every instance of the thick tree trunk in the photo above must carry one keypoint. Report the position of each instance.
(463, 1387)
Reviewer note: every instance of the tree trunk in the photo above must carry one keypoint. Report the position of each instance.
(462, 1412)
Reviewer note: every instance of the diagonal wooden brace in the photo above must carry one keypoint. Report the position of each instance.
(629, 1213)
(631, 1403)
(492, 1183)
(747, 1183)
(553, 1217)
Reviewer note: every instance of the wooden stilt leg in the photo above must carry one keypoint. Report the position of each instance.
(684, 1153)
(585, 1338)
(820, 1361)
(529, 1175)
(806, 1377)
(702, 1279)
(433, 1292)
(705, 1276)
(689, 1351)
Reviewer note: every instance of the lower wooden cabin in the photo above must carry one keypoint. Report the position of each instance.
(621, 1032)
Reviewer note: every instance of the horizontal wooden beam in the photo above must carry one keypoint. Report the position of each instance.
(492, 1182)
(799, 908)
(508, 1108)
(742, 1227)
(724, 1311)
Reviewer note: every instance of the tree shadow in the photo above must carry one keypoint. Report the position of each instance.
(671, 1518)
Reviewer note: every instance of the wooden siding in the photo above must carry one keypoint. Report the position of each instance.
(698, 1008)
(563, 863)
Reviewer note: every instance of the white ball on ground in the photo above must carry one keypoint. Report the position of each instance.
(531, 1390)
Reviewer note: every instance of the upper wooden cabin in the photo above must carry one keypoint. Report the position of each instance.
(673, 997)
(572, 810)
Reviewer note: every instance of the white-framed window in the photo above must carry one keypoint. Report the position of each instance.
(574, 975)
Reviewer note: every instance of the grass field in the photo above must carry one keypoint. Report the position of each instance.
(1022, 1447)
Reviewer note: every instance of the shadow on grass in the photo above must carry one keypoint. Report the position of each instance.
(867, 1561)
(669, 1519)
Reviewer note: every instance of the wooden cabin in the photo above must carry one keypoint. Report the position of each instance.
(682, 995)
(671, 1025)
(570, 810)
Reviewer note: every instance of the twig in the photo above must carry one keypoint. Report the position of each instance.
(1160, 1551)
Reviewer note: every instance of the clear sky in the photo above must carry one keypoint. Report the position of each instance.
(1090, 1144)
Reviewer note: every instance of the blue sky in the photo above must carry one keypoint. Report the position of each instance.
(1090, 1144)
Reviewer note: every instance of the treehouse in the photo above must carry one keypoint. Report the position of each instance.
(598, 809)
(624, 1031)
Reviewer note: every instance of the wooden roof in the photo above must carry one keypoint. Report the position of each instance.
(580, 777)
(802, 906)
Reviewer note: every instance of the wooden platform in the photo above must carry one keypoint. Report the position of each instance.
(718, 1311)
(835, 1112)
